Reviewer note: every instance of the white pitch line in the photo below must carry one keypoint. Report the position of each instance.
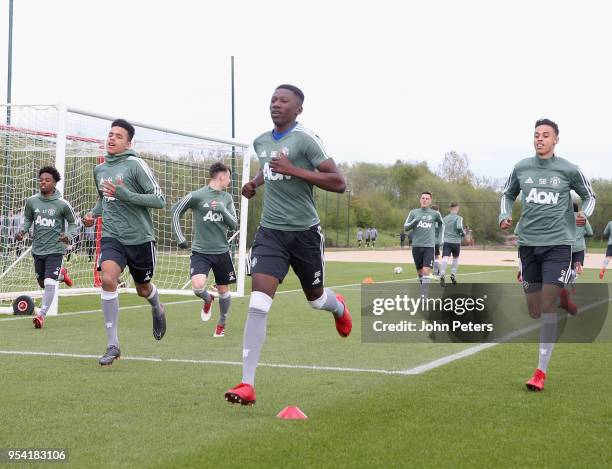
(203, 362)
(410, 371)
(144, 305)
(416, 370)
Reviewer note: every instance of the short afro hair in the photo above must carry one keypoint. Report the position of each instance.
(125, 125)
(454, 204)
(217, 168)
(548, 122)
(294, 89)
(52, 171)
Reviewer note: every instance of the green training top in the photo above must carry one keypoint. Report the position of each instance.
(424, 222)
(210, 225)
(581, 232)
(49, 216)
(288, 203)
(453, 228)
(547, 217)
(608, 232)
(127, 216)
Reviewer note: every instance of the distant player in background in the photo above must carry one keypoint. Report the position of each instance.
(546, 231)
(402, 237)
(579, 246)
(439, 241)
(368, 234)
(213, 214)
(578, 250)
(422, 221)
(453, 232)
(127, 191)
(292, 160)
(49, 213)
(607, 232)
(373, 236)
(359, 237)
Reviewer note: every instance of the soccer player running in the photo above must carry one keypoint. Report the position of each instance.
(439, 241)
(607, 232)
(546, 231)
(579, 246)
(453, 232)
(213, 214)
(425, 224)
(49, 213)
(578, 249)
(127, 191)
(292, 160)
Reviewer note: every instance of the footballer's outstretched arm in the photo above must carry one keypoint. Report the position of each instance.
(410, 222)
(28, 217)
(178, 209)
(250, 188)
(327, 176)
(229, 213)
(511, 191)
(583, 188)
(152, 196)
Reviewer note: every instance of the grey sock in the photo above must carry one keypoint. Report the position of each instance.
(548, 337)
(47, 299)
(153, 300)
(254, 338)
(425, 286)
(203, 293)
(606, 262)
(110, 308)
(224, 306)
(454, 266)
(436, 268)
(443, 266)
(329, 302)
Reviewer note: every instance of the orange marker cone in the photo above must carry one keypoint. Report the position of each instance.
(368, 280)
(291, 413)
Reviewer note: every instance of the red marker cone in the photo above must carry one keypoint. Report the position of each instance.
(291, 413)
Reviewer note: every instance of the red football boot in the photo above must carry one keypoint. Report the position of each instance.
(67, 280)
(344, 323)
(566, 303)
(243, 394)
(536, 383)
(38, 321)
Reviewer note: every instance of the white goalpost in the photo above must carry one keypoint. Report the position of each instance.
(72, 140)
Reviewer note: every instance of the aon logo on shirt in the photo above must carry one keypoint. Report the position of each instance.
(212, 216)
(424, 224)
(270, 175)
(542, 197)
(44, 221)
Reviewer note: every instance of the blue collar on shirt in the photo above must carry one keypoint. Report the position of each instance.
(278, 135)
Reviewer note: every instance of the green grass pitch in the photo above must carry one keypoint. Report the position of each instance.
(150, 411)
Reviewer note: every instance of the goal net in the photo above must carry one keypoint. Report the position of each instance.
(73, 141)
